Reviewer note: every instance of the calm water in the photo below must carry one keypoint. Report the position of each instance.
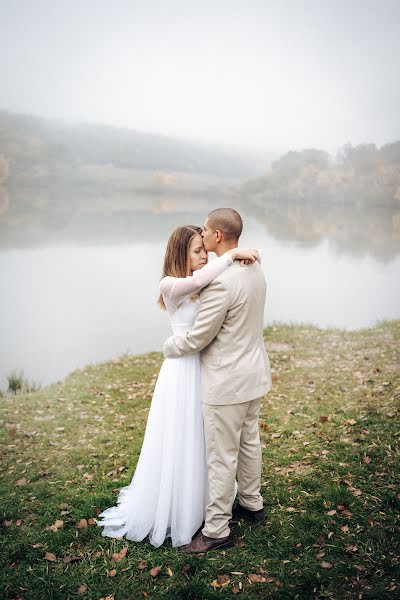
(65, 306)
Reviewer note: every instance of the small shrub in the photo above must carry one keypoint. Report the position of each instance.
(15, 381)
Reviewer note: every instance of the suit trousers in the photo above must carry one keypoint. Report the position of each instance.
(233, 449)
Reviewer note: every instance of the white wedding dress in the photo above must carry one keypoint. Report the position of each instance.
(168, 492)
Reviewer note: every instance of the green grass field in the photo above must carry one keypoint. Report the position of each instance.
(330, 436)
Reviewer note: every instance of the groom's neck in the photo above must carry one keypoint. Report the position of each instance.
(225, 246)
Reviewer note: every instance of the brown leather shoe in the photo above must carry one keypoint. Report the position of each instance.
(202, 544)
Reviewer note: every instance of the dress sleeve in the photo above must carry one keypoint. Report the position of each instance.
(174, 289)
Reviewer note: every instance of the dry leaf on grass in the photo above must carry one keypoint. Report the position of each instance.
(55, 526)
(185, 569)
(142, 564)
(254, 578)
(81, 589)
(50, 556)
(82, 524)
(221, 581)
(112, 573)
(118, 556)
(326, 565)
(155, 571)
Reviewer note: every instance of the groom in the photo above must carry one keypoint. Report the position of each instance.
(235, 374)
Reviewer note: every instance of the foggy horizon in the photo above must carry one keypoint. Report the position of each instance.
(261, 78)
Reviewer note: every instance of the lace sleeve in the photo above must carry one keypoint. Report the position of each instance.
(174, 289)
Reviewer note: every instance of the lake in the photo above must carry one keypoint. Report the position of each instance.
(78, 298)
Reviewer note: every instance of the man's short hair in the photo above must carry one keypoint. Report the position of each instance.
(226, 220)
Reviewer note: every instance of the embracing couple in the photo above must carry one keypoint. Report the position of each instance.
(201, 446)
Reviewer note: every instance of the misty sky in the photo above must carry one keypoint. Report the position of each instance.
(267, 75)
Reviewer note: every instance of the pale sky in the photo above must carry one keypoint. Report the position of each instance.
(269, 75)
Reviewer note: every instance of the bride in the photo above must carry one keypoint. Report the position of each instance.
(168, 492)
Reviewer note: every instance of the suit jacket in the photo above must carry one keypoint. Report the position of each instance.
(229, 333)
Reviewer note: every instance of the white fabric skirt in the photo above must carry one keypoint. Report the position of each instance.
(168, 492)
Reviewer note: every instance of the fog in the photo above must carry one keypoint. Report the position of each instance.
(261, 76)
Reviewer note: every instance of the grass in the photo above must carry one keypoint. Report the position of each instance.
(329, 431)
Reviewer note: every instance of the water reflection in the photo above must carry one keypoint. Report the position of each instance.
(45, 220)
(80, 280)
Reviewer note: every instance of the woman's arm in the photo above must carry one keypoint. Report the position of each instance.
(175, 289)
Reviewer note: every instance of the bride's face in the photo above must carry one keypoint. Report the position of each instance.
(197, 255)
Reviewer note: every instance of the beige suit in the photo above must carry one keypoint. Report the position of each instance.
(235, 374)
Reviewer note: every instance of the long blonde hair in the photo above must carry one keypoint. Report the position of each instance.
(176, 259)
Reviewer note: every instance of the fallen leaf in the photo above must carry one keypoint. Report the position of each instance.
(331, 512)
(366, 460)
(142, 564)
(92, 521)
(326, 565)
(346, 481)
(56, 525)
(320, 554)
(118, 556)
(351, 548)
(323, 418)
(169, 572)
(254, 578)
(50, 556)
(82, 524)
(21, 482)
(70, 559)
(235, 590)
(357, 492)
(223, 580)
(344, 528)
(240, 542)
(185, 569)
(112, 573)
(38, 545)
(155, 571)
(340, 506)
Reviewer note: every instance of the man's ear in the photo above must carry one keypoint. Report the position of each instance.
(218, 235)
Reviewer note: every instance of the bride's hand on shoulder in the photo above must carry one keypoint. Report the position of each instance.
(245, 255)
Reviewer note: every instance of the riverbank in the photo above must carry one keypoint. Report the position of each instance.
(329, 431)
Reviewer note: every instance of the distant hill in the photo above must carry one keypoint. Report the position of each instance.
(47, 146)
(352, 199)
